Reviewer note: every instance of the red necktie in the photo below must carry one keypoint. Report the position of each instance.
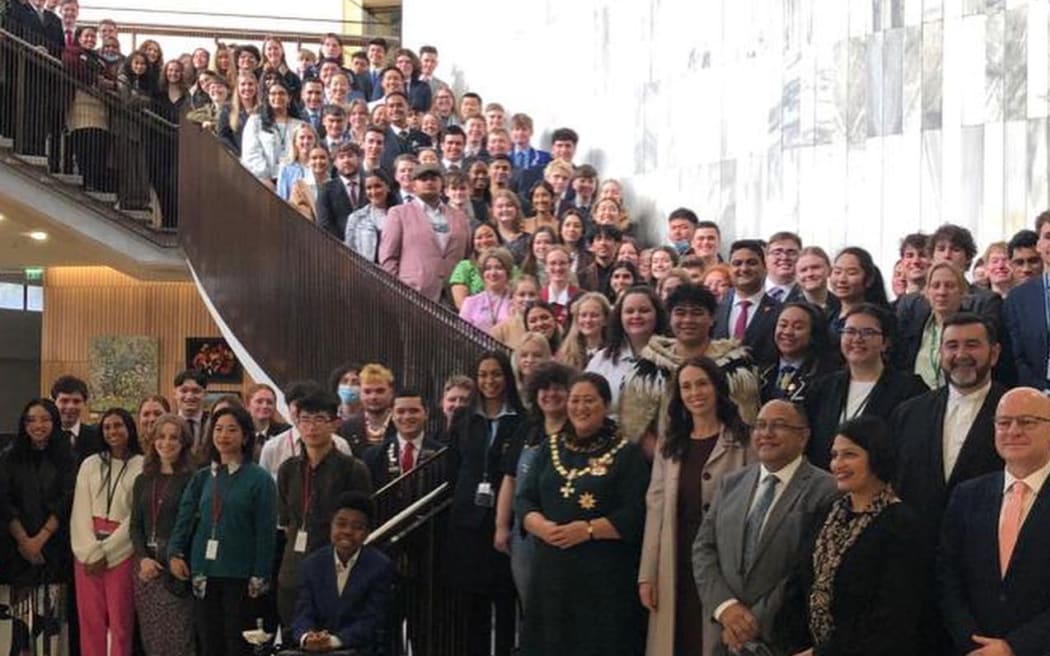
(740, 327)
(69, 38)
(351, 190)
(408, 457)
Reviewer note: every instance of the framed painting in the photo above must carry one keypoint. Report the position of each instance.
(213, 356)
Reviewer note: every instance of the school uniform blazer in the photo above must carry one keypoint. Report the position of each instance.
(356, 615)
(759, 334)
(334, 206)
(409, 249)
(974, 597)
(378, 457)
(827, 398)
(1025, 315)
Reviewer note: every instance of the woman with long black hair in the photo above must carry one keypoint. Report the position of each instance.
(223, 541)
(269, 135)
(481, 439)
(100, 529)
(38, 474)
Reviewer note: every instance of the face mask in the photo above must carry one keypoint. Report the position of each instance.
(681, 247)
(349, 394)
(110, 57)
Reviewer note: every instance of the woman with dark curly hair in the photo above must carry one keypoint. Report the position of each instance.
(705, 440)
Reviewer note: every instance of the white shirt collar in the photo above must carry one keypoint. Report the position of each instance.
(784, 474)
(75, 429)
(977, 396)
(349, 564)
(1034, 481)
(756, 299)
(561, 298)
(418, 442)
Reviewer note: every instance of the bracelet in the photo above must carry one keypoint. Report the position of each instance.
(590, 530)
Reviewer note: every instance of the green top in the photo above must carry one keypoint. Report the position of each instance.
(246, 526)
(467, 273)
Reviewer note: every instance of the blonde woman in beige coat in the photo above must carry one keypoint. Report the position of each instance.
(705, 439)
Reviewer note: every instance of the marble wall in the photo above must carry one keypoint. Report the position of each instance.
(850, 121)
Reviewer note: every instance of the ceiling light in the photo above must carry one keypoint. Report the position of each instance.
(37, 235)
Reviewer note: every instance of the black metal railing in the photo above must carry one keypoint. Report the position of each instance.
(73, 115)
(429, 615)
(297, 298)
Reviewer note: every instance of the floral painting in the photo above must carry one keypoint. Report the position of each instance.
(213, 356)
(124, 369)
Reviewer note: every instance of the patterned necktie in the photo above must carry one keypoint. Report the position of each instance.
(741, 320)
(753, 528)
(777, 294)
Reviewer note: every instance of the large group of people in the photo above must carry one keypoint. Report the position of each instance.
(692, 448)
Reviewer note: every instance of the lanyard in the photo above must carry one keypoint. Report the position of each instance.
(494, 312)
(155, 504)
(111, 485)
(308, 482)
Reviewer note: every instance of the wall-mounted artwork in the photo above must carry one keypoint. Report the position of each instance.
(124, 369)
(213, 356)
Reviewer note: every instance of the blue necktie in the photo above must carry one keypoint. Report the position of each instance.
(777, 293)
(753, 528)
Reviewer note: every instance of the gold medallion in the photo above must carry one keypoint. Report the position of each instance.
(587, 501)
(567, 490)
(597, 467)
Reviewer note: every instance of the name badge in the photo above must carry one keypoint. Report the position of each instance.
(211, 551)
(300, 542)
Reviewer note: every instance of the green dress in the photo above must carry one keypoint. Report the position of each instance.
(584, 600)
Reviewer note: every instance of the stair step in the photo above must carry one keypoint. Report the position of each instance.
(139, 215)
(71, 179)
(109, 199)
(34, 160)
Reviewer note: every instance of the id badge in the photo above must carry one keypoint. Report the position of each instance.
(300, 542)
(211, 551)
(483, 496)
(152, 544)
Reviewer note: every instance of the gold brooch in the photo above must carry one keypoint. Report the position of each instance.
(588, 501)
(597, 467)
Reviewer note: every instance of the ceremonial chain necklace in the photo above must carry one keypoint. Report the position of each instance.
(595, 466)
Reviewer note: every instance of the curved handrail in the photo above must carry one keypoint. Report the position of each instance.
(296, 297)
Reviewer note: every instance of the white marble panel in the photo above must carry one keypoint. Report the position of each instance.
(971, 176)
(750, 200)
(875, 82)
(972, 60)
(892, 81)
(861, 16)
(994, 180)
(807, 97)
(994, 66)
(1015, 183)
(900, 186)
(932, 10)
(931, 165)
(1038, 52)
(790, 165)
(913, 13)
(954, 71)
(1038, 168)
(1015, 65)
(911, 92)
(953, 8)
(857, 91)
(932, 74)
(821, 221)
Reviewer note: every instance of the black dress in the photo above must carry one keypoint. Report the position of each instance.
(584, 601)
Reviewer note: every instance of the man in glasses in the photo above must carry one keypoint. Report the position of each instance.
(1027, 317)
(752, 537)
(992, 574)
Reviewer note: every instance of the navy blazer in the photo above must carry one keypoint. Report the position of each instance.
(394, 145)
(974, 597)
(759, 334)
(534, 158)
(334, 206)
(356, 615)
(384, 459)
(1025, 314)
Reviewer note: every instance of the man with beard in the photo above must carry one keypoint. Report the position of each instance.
(947, 436)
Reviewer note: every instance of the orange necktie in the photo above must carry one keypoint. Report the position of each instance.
(1011, 525)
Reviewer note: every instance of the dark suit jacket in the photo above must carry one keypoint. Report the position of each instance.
(759, 335)
(27, 25)
(534, 158)
(974, 597)
(918, 426)
(356, 615)
(334, 207)
(394, 145)
(363, 82)
(471, 461)
(879, 588)
(800, 383)
(827, 398)
(1025, 317)
(384, 460)
(88, 443)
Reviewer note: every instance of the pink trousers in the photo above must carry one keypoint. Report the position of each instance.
(106, 603)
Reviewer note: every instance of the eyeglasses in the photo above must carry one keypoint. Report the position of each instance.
(862, 333)
(783, 252)
(314, 419)
(775, 426)
(1024, 422)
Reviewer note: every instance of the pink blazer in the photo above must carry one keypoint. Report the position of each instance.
(409, 249)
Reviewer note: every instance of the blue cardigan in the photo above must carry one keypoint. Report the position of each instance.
(246, 524)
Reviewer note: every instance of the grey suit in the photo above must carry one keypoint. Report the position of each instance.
(718, 550)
